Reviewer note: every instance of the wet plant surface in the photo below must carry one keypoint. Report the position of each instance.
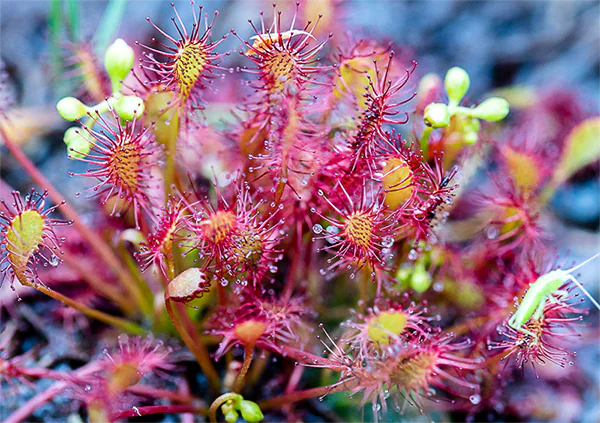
(293, 220)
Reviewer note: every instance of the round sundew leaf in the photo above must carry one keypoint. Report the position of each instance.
(397, 182)
(380, 326)
(522, 169)
(188, 285)
(353, 78)
(24, 237)
(189, 64)
(581, 149)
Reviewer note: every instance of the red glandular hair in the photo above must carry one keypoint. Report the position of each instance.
(547, 338)
(262, 321)
(408, 371)
(381, 109)
(158, 251)
(235, 239)
(361, 233)
(28, 236)
(190, 64)
(285, 62)
(123, 156)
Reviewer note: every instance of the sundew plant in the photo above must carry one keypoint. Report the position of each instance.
(300, 224)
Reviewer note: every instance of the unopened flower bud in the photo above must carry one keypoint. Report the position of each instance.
(251, 411)
(78, 141)
(118, 61)
(471, 131)
(421, 280)
(457, 83)
(437, 115)
(471, 138)
(129, 106)
(229, 411)
(403, 274)
(71, 109)
(187, 286)
(231, 416)
(493, 109)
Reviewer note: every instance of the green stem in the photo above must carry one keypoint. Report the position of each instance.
(118, 322)
(190, 338)
(425, 140)
(91, 237)
(142, 293)
(214, 407)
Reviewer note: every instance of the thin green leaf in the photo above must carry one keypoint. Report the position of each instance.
(55, 26)
(109, 24)
(73, 15)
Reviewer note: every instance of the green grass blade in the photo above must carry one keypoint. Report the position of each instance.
(109, 24)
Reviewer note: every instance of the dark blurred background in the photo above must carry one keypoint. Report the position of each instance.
(552, 43)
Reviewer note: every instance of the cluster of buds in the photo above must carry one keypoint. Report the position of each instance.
(118, 62)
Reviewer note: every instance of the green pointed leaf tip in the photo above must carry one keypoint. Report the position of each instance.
(582, 148)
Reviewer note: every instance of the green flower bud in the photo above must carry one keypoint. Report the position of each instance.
(118, 61)
(251, 411)
(71, 109)
(493, 109)
(471, 137)
(436, 115)
(457, 83)
(403, 274)
(420, 280)
(471, 131)
(129, 106)
(78, 141)
(231, 415)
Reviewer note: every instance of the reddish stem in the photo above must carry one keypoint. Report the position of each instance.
(306, 394)
(159, 409)
(149, 391)
(97, 243)
(40, 399)
(304, 357)
(189, 335)
(239, 380)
